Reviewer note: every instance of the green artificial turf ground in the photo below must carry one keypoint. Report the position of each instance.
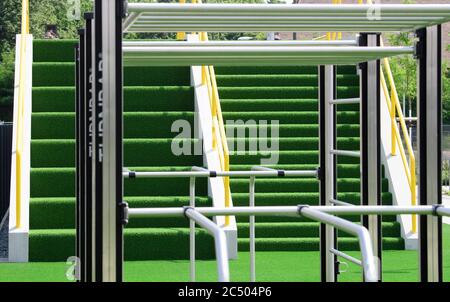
(270, 266)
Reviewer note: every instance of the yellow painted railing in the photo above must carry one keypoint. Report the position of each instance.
(393, 103)
(25, 29)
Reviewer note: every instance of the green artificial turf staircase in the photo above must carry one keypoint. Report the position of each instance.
(153, 99)
(289, 95)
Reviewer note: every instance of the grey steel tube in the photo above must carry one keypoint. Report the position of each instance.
(220, 242)
(365, 243)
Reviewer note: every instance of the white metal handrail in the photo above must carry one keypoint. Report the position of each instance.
(220, 243)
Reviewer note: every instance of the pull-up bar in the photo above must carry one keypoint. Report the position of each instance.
(187, 55)
(159, 17)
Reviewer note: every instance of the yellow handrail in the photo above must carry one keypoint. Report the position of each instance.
(395, 109)
(25, 28)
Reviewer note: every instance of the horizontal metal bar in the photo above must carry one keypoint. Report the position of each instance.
(346, 257)
(208, 173)
(260, 17)
(234, 43)
(244, 55)
(340, 203)
(400, 10)
(346, 153)
(292, 211)
(345, 101)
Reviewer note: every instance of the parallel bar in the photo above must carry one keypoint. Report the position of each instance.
(220, 242)
(236, 43)
(346, 153)
(346, 256)
(345, 101)
(207, 173)
(248, 55)
(292, 211)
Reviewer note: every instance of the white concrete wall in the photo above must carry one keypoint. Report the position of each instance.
(395, 172)
(203, 126)
(18, 236)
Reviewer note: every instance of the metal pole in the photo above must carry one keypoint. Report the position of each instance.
(252, 231)
(365, 244)
(327, 171)
(78, 215)
(108, 153)
(429, 145)
(370, 143)
(192, 230)
(220, 242)
(291, 211)
(88, 110)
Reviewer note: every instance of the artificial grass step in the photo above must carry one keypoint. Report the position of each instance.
(288, 143)
(269, 80)
(343, 170)
(54, 50)
(300, 229)
(250, 129)
(255, 105)
(293, 185)
(282, 157)
(274, 118)
(59, 182)
(281, 92)
(312, 244)
(62, 211)
(137, 152)
(139, 244)
(139, 98)
(63, 74)
(233, 70)
(57, 125)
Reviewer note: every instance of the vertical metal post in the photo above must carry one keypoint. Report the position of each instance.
(370, 144)
(108, 159)
(88, 148)
(252, 231)
(192, 231)
(80, 156)
(429, 145)
(77, 154)
(326, 174)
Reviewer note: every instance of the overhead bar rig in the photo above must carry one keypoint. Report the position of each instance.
(152, 17)
(102, 54)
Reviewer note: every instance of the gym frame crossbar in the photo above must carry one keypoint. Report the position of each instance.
(101, 55)
(157, 17)
(187, 55)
